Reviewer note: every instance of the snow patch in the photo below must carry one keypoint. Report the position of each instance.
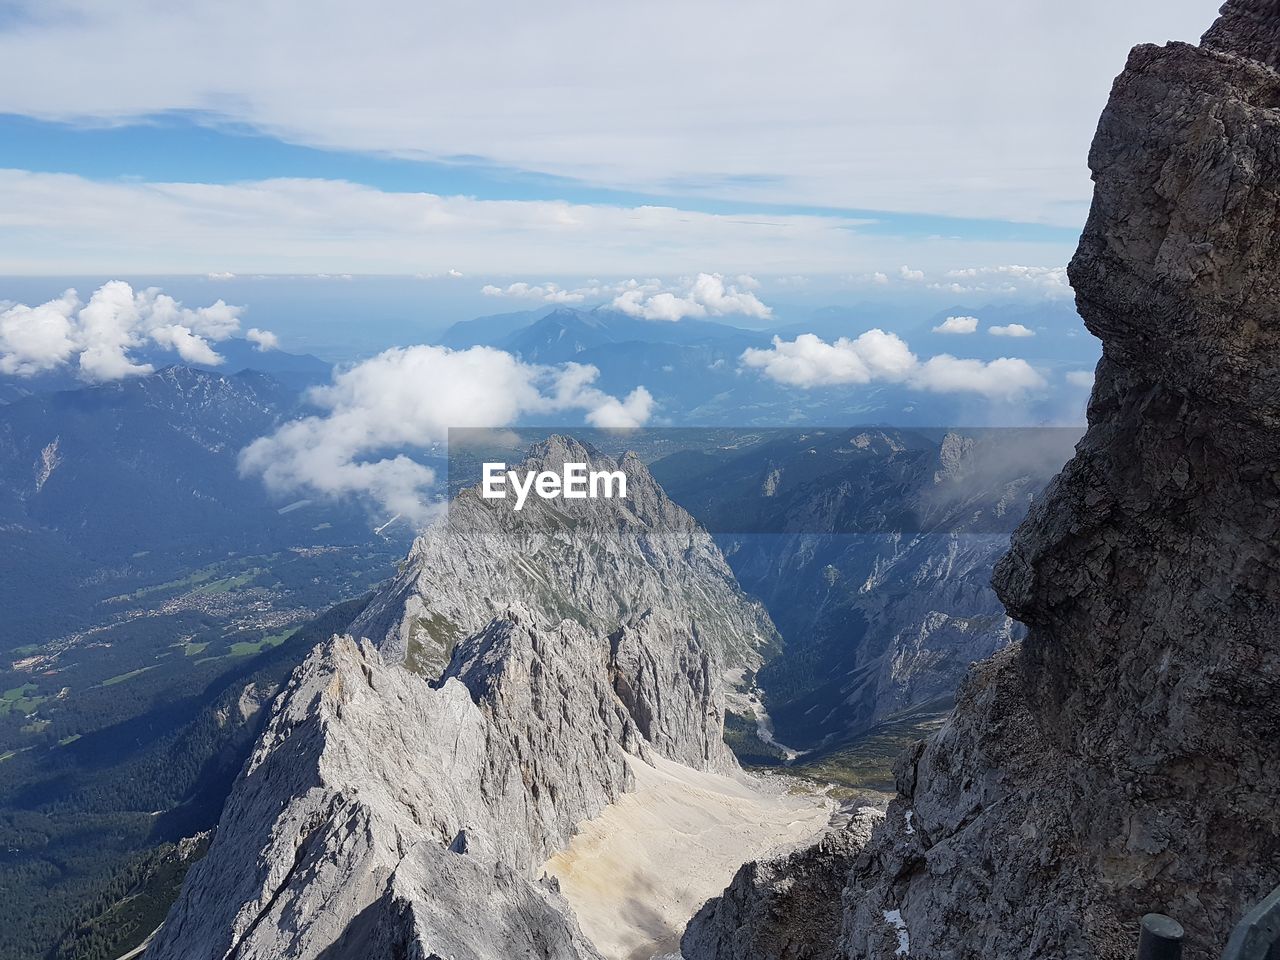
(894, 919)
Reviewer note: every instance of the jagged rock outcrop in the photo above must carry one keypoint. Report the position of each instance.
(787, 908)
(564, 557)
(1122, 758)
(385, 815)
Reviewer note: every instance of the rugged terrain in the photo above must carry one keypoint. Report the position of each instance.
(572, 559)
(388, 813)
(872, 550)
(1121, 759)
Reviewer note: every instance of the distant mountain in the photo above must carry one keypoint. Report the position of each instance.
(873, 552)
(488, 331)
(104, 484)
(555, 335)
(693, 369)
(296, 370)
(293, 369)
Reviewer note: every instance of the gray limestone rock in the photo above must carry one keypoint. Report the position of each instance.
(598, 562)
(384, 814)
(787, 908)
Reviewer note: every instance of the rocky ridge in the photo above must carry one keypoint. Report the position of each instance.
(383, 814)
(1121, 759)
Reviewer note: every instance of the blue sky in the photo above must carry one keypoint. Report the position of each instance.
(817, 138)
(194, 148)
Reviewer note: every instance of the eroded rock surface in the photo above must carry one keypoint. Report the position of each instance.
(787, 908)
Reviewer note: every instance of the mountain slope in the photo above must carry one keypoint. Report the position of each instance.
(103, 486)
(385, 815)
(873, 552)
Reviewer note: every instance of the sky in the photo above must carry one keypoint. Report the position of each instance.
(347, 178)
(537, 142)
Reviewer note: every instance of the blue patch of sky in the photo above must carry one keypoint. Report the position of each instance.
(195, 148)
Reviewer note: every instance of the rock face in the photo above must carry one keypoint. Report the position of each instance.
(564, 557)
(783, 909)
(383, 815)
(1122, 758)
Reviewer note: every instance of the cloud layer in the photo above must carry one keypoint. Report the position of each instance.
(878, 357)
(1049, 282)
(405, 399)
(68, 225)
(908, 124)
(1011, 330)
(707, 295)
(96, 338)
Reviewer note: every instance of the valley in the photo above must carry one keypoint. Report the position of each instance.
(866, 549)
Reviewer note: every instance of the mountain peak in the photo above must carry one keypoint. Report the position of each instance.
(560, 558)
(409, 812)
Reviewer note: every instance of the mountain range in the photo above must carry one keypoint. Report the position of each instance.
(103, 488)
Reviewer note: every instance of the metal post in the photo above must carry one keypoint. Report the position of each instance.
(1160, 939)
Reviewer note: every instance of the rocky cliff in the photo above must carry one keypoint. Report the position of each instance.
(788, 908)
(1122, 759)
(384, 814)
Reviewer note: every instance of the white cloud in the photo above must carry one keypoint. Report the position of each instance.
(545, 292)
(879, 357)
(1080, 378)
(1011, 330)
(40, 338)
(707, 295)
(809, 361)
(879, 278)
(1004, 378)
(188, 346)
(1049, 282)
(957, 325)
(406, 399)
(923, 119)
(99, 336)
(262, 340)
(632, 411)
(914, 276)
(61, 223)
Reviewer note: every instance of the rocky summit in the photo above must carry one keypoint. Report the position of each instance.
(1122, 758)
(597, 562)
(388, 814)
